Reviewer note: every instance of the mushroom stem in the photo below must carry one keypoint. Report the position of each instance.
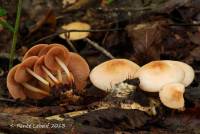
(37, 76)
(49, 80)
(63, 66)
(59, 75)
(50, 74)
(34, 89)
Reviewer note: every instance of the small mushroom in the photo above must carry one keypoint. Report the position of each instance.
(171, 95)
(14, 88)
(76, 26)
(82, 33)
(24, 71)
(58, 58)
(34, 51)
(109, 73)
(156, 74)
(188, 70)
(79, 69)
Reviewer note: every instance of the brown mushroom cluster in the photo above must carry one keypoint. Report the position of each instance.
(43, 67)
(168, 78)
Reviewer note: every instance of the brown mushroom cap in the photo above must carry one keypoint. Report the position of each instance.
(109, 73)
(46, 49)
(34, 51)
(79, 69)
(21, 74)
(171, 95)
(156, 74)
(54, 52)
(14, 88)
(38, 66)
(76, 26)
(35, 95)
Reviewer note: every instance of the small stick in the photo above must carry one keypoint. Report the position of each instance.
(70, 44)
(99, 48)
(67, 31)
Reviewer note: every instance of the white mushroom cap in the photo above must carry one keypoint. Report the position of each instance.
(156, 74)
(171, 95)
(188, 70)
(109, 73)
(76, 26)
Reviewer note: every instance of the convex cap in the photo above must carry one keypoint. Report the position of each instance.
(109, 73)
(171, 95)
(154, 75)
(76, 26)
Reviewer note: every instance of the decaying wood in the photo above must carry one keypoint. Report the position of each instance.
(18, 124)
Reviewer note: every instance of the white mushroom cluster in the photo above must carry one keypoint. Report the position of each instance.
(167, 77)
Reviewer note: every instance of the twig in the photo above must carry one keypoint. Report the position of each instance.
(99, 48)
(14, 41)
(70, 44)
(67, 31)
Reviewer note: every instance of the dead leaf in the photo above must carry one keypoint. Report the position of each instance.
(146, 40)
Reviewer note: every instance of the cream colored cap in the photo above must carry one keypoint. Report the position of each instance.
(171, 95)
(156, 74)
(76, 26)
(109, 73)
(188, 70)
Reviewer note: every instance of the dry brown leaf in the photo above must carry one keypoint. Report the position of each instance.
(146, 40)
